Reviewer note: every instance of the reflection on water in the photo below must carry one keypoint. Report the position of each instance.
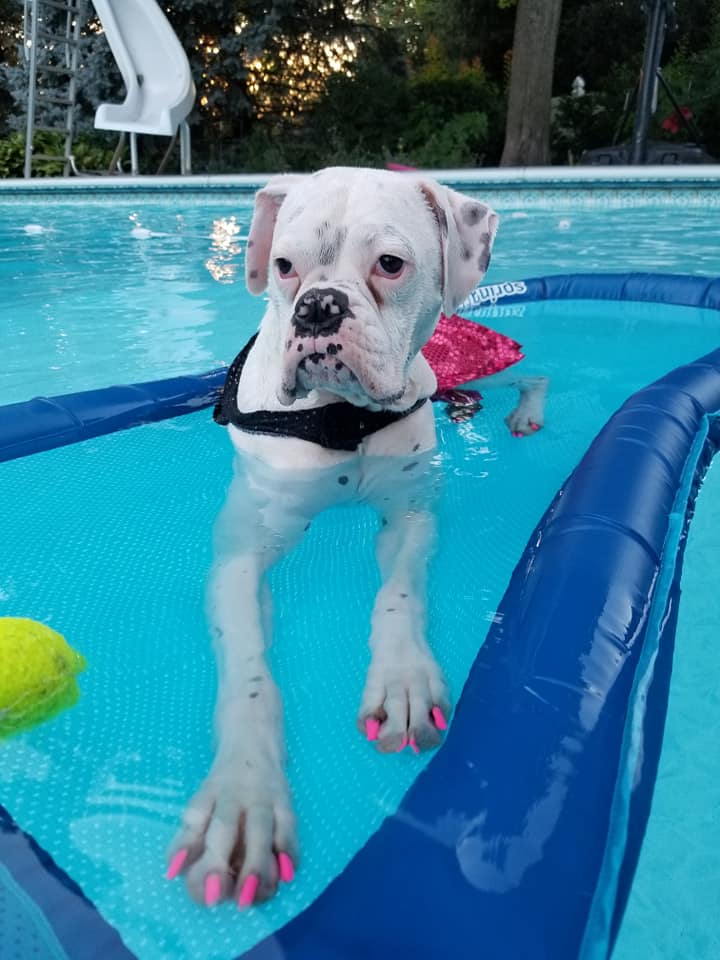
(223, 263)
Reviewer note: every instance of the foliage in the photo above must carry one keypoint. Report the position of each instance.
(90, 153)
(694, 76)
(581, 123)
(297, 84)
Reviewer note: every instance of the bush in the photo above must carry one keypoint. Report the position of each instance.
(91, 154)
(583, 123)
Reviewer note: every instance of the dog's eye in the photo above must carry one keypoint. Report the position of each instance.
(389, 266)
(285, 268)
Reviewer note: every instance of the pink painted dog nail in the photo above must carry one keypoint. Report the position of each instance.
(516, 433)
(413, 745)
(372, 728)
(286, 868)
(176, 864)
(403, 744)
(438, 718)
(248, 891)
(534, 426)
(212, 889)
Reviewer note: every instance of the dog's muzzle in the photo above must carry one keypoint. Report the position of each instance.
(319, 313)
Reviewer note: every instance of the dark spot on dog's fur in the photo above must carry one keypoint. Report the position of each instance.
(411, 466)
(390, 610)
(384, 521)
(339, 365)
(307, 526)
(472, 213)
(257, 679)
(339, 347)
(248, 764)
(254, 694)
(331, 349)
(484, 261)
(404, 596)
(330, 246)
(253, 274)
(466, 254)
(343, 480)
(250, 243)
(416, 447)
(299, 348)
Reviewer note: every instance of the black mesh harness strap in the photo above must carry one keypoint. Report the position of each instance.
(337, 426)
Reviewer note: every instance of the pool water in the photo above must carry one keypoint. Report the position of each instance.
(109, 542)
(137, 288)
(112, 548)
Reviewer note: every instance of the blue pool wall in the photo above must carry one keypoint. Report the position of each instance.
(523, 832)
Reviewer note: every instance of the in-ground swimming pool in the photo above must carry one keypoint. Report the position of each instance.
(103, 552)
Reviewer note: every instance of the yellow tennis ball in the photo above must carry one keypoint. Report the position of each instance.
(37, 674)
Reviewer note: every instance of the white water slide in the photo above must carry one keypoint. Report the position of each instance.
(159, 87)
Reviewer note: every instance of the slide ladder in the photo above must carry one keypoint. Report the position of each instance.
(51, 47)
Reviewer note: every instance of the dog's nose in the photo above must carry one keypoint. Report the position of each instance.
(320, 311)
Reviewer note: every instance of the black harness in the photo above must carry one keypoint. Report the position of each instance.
(337, 426)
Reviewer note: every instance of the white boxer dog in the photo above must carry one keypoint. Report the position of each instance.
(327, 404)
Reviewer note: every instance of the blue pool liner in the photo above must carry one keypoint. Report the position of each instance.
(520, 838)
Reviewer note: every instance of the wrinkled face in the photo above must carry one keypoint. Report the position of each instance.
(356, 267)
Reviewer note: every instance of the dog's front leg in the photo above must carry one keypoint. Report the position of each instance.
(406, 698)
(529, 415)
(238, 833)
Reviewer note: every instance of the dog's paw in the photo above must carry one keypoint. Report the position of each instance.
(237, 840)
(525, 419)
(404, 705)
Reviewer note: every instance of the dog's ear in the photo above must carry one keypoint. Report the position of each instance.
(467, 231)
(257, 255)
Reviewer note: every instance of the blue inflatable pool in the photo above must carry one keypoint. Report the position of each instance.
(532, 814)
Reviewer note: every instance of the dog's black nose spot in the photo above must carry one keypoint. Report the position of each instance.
(321, 311)
(411, 466)
(343, 480)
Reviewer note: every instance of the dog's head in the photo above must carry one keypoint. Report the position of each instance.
(358, 265)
